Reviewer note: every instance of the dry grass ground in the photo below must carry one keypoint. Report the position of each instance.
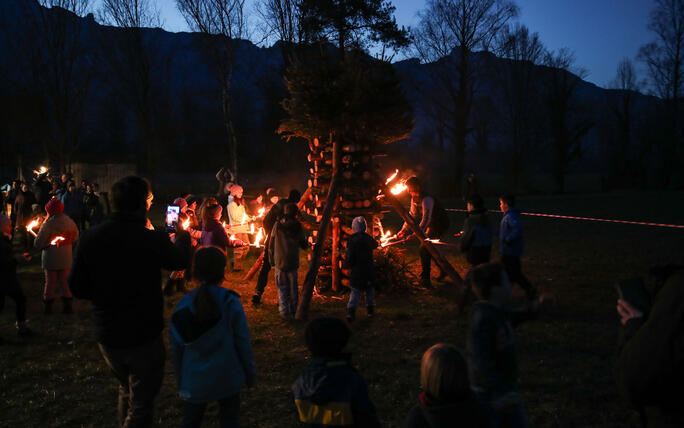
(58, 379)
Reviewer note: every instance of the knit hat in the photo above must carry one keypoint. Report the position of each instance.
(359, 224)
(54, 207)
(182, 203)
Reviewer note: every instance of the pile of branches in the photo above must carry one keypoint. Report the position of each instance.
(393, 274)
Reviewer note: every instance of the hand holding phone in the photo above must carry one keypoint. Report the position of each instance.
(172, 215)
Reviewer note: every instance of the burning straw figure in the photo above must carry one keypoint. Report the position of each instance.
(359, 258)
(433, 221)
(56, 253)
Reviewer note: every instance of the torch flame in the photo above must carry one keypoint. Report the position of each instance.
(232, 237)
(385, 238)
(259, 237)
(261, 212)
(186, 223)
(392, 177)
(398, 188)
(41, 170)
(245, 219)
(251, 229)
(432, 240)
(56, 240)
(29, 227)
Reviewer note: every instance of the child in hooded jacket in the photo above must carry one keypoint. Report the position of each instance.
(211, 350)
(359, 258)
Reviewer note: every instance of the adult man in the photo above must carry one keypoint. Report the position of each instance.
(273, 215)
(118, 267)
(511, 244)
(433, 221)
(650, 364)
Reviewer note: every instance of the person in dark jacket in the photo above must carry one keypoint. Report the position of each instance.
(491, 347)
(9, 283)
(446, 400)
(73, 204)
(330, 392)
(118, 268)
(213, 233)
(359, 258)
(283, 253)
(209, 337)
(41, 189)
(23, 207)
(274, 214)
(433, 221)
(511, 245)
(476, 237)
(649, 368)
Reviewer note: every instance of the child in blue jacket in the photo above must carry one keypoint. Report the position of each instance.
(511, 244)
(212, 354)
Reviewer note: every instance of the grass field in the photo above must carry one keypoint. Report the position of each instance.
(59, 379)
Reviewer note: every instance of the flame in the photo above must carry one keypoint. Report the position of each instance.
(392, 177)
(245, 219)
(259, 237)
(56, 240)
(29, 227)
(261, 212)
(186, 223)
(432, 240)
(41, 170)
(251, 229)
(225, 226)
(385, 238)
(232, 237)
(398, 188)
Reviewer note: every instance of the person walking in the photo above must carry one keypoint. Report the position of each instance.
(56, 255)
(283, 252)
(118, 268)
(511, 245)
(212, 354)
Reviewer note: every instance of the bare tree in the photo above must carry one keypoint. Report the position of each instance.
(568, 120)
(462, 26)
(60, 67)
(221, 23)
(132, 62)
(281, 19)
(664, 59)
(521, 96)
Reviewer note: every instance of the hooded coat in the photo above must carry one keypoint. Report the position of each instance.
(476, 240)
(56, 257)
(287, 238)
(359, 258)
(215, 363)
(511, 233)
(331, 393)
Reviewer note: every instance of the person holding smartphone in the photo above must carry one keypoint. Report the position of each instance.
(649, 368)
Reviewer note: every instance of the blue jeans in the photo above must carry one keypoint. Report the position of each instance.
(288, 292)
(356, 294)
(228, 413)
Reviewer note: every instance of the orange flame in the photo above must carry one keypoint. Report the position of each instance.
(32, 225)
(41, 170)
(245, 219)
(261, 212)
(251, 229)
(232, 237)
(392, 177)
(186, 223)
(398, 188)
(56, 240)
(385, 238)
(259, 237)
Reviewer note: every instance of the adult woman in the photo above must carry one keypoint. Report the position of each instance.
(56, 254)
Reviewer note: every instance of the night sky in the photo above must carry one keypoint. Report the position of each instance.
(600, 32)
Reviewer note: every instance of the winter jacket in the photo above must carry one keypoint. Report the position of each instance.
(118, 267)
(8, 265)
(330, 393)
(511, 233)
(23, 207)
(288, 237)
(215, 362)
(56, 257)
(41, 189)
(491, 350)
(73, 204)
(238, 218)
(476, 239)
(430, 413)
(214, 234)
(359, 258)
(649, 369)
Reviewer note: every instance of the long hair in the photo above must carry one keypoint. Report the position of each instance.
(444, 373)
(209, 265)
(205, 202)
(209, 213)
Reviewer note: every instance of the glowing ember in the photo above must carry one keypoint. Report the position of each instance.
(186, 223)
(392, 177)
(259, 237)
(32, 225)
(398, 188)
(56, 240)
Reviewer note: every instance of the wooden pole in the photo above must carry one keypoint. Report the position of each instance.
(441, 260)
(314, 264)
(336, 221)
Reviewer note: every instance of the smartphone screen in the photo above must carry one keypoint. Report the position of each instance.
(172, 214)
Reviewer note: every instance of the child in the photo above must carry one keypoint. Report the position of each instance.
(446, 400)
(9, 284)
(511, 244)
(329, 392)
(359, 258)
(283, 253)
(212, 355)
(476, 238)
(491, 346)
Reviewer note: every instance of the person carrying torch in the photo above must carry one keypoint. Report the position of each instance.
(238, 221)
(56, 258)
(433, 221)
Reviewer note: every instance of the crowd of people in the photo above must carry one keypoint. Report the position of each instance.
(118, 265)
